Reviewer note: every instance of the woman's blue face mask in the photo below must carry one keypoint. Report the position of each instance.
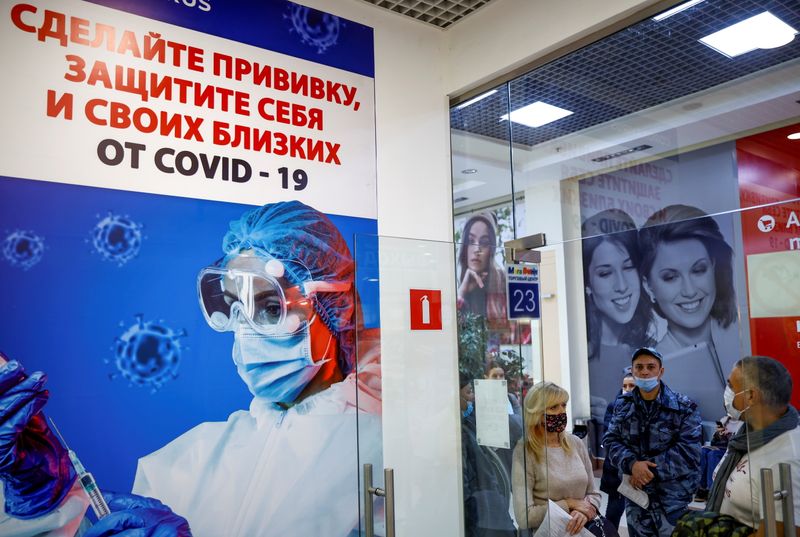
(275, 368)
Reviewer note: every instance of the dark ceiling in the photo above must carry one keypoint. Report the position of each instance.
(644, 65)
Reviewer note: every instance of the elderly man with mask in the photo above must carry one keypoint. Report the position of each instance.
(286, 466)
(758, 392)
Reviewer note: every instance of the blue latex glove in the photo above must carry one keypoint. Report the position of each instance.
(34, 466)
(138, 516)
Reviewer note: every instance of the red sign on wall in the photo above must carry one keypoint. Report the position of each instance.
(769, 185)
(426, 309)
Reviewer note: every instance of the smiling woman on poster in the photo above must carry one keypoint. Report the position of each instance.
(687, 270)
(617, 319)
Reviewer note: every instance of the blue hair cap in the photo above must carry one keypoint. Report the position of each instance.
(293, 231)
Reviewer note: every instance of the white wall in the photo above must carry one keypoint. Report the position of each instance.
(510, 33)
(421, 428)
(413, 138)
(417, 67)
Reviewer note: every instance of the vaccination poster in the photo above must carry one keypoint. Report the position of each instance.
(134, 132)
(660, 268)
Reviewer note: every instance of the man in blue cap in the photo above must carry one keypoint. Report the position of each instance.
(654, 438)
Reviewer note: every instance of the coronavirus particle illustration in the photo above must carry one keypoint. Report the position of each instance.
(117, 238)
(23, 249)
(148, 353)
(315, 28)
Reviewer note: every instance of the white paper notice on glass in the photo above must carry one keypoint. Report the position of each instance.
(555, 523)
(491, 413)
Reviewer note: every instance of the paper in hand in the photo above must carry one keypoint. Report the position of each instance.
(555, 523)
(637, 496)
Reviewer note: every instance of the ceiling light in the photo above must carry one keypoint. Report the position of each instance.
(763, 31)
(536, 114)
(466, 185)
(476, 99)
(469, 171)
(677, 9)
(794, 136)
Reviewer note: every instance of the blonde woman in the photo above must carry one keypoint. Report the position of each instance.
(551, 464)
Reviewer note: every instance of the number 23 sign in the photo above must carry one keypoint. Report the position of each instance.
(522, 286)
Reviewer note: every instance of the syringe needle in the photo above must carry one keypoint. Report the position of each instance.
(89, 485)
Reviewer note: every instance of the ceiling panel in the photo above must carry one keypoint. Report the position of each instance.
(645, 65)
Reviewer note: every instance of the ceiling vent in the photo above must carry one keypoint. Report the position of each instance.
(440, 13)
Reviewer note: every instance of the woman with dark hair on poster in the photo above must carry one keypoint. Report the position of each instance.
(617, 321)
(482, 283)
(687, 271)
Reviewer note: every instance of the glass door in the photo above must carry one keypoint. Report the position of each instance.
(408, 414)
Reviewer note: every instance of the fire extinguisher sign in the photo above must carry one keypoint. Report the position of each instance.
(426, 309)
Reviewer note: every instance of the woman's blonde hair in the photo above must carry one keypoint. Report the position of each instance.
(537, 401)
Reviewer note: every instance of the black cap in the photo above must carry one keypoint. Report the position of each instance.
(650, 351)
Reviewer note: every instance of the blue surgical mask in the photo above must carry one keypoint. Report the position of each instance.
(468, 411)
(275, 368)
(646, 385)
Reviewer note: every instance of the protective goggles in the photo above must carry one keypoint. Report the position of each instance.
(256, 289)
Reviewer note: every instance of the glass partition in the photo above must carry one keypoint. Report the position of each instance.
(663, 169)
(409, 384)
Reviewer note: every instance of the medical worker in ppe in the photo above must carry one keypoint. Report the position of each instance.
(288, 465)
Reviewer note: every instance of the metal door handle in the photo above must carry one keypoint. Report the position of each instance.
(785, 495)
(388, 494)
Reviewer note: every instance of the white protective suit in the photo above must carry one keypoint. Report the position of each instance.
(270, 472)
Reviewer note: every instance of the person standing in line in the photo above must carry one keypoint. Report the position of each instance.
(610, 480)
(552, 464)
(655, 438)
(758, 392)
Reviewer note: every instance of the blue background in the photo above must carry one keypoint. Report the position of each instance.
(63, 315)
(262, 23)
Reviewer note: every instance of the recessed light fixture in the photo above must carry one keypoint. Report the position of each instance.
(677, 9)
(621, 153)
(794, 136)
(469, 171)
(762, 31)
(466, 185)
(536, 114)
(474, 100)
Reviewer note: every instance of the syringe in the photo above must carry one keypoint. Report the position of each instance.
(89, 485)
